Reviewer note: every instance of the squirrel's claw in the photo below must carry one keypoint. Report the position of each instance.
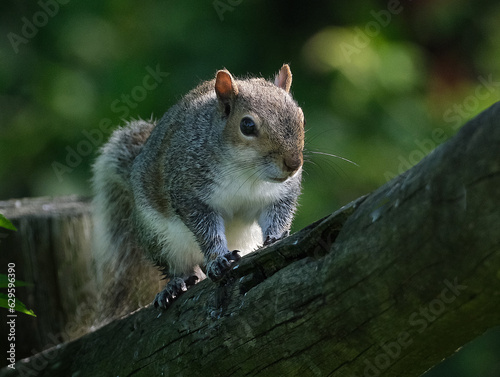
(218, 267)
(272, 239)
(174, 288)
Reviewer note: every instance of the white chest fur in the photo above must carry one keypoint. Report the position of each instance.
(240, 197)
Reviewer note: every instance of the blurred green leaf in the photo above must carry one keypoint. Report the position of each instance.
(5, 223)
(4, 282)
(19, 306)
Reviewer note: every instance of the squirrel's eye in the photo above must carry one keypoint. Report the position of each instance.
(248, 127)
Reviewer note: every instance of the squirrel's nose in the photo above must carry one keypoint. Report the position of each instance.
(292, 163)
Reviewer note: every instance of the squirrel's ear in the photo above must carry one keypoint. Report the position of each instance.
(226, 89)
(284, 78)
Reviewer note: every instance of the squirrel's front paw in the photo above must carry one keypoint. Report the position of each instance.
(174, 288)
(217, 268)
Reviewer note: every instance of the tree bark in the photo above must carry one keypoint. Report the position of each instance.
(388, 285)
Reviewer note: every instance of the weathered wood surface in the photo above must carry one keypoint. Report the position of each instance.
(389, 285)
(51, 250)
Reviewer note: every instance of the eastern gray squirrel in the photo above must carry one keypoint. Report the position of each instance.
(217, 177)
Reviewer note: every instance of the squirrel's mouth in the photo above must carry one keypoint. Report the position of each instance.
(278, 179)
(278, 173)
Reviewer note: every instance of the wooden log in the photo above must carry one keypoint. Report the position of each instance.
(388, 285)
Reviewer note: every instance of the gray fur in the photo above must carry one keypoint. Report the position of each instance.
(180, 190)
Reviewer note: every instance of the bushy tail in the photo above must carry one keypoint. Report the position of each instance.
(125, 280)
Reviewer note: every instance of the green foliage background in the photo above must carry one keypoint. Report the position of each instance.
(381, 83)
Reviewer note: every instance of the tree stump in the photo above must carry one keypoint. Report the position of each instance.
(51, 250)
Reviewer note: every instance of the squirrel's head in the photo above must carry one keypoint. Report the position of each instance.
(264, 125)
